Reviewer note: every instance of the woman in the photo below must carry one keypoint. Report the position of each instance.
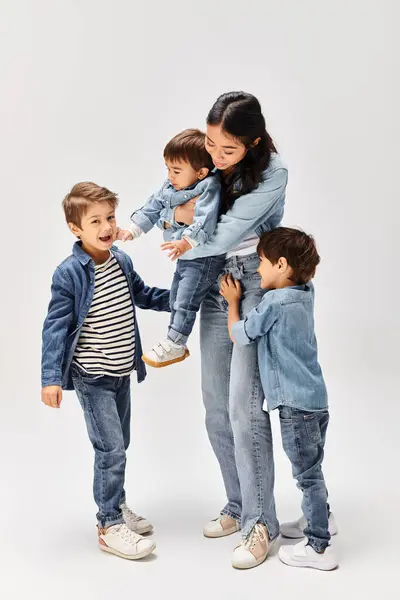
(253, 194)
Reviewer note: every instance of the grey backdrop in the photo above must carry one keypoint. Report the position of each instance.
(92, 90)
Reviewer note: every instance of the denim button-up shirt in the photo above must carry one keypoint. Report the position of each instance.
(71, 296)
(160, 206)
(283, 326)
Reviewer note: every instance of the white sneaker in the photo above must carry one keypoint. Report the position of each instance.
(165, 353)
(224, 525)
(303, 555)
(123, 542)
(294, 529)
(134, 522)
(254, 549)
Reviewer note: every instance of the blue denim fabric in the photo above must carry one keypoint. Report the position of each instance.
(258, 211)
(106, 404)
(159, 209)
(303, 439)
(238, 427)
(191, 283)
(71, 296)
(283, 325)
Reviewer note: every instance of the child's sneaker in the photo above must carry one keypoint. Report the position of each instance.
(254, 549)
(165, 353)
(224, 525)
(294, 529)
(123, 542)
(303, 555)
(135, 523)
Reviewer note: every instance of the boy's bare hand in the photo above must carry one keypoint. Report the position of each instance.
(176, 249)
(52, 396)
(124, 235)
(230, 289)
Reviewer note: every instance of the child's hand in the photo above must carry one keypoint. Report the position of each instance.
(124, 235)
(230, 289)
(52, 396)
(177, 249)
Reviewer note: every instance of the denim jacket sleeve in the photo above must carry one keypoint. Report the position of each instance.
(56, 328)
(246, 214)
(147, 216)
(257, 323)
(146, 297)
(205, 212)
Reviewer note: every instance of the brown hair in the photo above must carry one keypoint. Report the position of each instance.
(189, 146)
(82, 195)
(296, 246)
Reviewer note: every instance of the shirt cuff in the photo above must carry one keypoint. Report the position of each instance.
(239, 334)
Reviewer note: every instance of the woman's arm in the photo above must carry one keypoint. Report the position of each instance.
(246, 214)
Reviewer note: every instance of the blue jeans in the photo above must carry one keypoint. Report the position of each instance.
(238, 427)
(191, 283)
(106, 403)
(303, 439)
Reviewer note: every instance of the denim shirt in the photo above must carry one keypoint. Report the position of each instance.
(283, 325)
(71, 296)
(159, 209)
(258, 211)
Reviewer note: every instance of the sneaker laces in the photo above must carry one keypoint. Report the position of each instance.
(122, 531)
(129, 513)
(257, 534)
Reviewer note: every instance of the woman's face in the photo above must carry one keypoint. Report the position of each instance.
(225, 150)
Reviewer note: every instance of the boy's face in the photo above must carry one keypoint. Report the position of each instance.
(181, 174)
(270, 274)
(98, 228)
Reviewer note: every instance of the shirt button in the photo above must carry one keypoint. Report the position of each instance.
(185, 195)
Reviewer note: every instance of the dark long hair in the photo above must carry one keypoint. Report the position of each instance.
(239, 115)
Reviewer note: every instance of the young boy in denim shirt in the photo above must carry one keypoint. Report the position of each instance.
(189, 176)
(283, 325)
(91, 343)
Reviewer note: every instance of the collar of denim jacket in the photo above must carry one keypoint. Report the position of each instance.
(82, 256)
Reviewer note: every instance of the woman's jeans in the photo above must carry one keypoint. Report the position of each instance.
(238, 427)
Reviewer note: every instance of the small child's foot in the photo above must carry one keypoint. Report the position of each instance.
(165, 353)
(123, 542)
(135, 523)
(224, 525)
(303, 555)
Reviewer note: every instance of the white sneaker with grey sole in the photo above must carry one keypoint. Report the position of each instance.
(134, 522)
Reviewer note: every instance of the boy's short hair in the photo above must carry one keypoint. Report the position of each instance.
(296, 246)
(189, 145)
(82, 195)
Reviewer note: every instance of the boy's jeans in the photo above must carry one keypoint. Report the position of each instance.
(303, 439)
(192, 281)
(238, 427)
(106, 403)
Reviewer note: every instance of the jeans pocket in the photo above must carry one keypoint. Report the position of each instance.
(313, 430)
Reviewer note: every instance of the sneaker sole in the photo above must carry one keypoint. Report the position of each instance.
(259, 561)
(159, 365)
(127, 556)
(309, 565)
(219, 534)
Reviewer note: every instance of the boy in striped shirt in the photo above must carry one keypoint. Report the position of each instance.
(91, 343)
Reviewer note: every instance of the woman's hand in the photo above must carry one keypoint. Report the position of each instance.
(185, 212)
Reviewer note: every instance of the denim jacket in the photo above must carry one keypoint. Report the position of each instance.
(259, 211)
(283, 325)
(159, 208)
(71, 296)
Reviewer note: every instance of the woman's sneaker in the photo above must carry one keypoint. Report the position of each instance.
(134, 522)
(165, 353)
(123, 542)
(303, 555)
(254, 549)
(224, 525)
(294, 529)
